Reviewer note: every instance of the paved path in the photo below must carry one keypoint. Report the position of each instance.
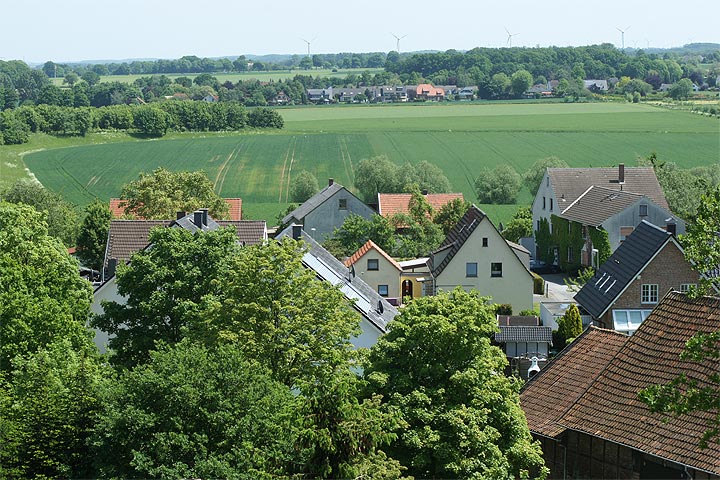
(556, 290)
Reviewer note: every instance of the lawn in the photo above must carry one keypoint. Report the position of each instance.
(462, 139)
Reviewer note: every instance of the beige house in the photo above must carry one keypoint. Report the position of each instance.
(475, 256)
(379, 270)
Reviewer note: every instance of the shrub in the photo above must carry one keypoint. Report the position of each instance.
(538, 284)
(503, 309)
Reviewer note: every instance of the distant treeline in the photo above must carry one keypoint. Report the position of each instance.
(149, 120)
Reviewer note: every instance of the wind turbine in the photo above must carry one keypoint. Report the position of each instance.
(623, 35)
(308, 43)
(509, 39)
(398, 40)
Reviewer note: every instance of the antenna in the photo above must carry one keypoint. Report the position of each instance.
(308, 43)
(509, 38)
(623, 35)
(398, 40)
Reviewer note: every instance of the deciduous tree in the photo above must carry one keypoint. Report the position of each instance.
(437, 367)
(163, 193)
(92, 238)
(500, 185)
(534, 175)
(304, 186)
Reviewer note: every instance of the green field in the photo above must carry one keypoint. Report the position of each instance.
(330, 141)
(234, 77)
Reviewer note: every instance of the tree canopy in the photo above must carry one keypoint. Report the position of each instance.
(92, 239)
(437, 367)
(161, 194)
(42, 297)
(499, 185)
(304, 186)
(379, 175)
(534, 175)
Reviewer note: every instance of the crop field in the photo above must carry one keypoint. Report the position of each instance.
(234, 77)
(462, 139)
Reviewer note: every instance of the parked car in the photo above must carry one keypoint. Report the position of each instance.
(538, 266)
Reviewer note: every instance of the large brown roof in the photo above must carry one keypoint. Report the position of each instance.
(552, 391)
(611, 409)
(391, 203)
(597, 204)
(569, 183)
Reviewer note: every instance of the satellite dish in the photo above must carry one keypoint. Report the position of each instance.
(380, 308)
(534, 368)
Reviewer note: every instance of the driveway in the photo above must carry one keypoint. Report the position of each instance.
(555, 289)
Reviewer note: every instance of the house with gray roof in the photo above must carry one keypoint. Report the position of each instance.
(325, 211)
(375, 310)
(474, 255)
(627, 287)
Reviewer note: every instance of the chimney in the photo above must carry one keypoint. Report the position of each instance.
(425, 192)
(198, 219)
(180, 214)
(671, 227)
(296, 232)
(111, 267)
(204, 216)
(330, 182)
(621, 173)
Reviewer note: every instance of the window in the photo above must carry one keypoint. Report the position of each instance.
(643, 210)
(685, 287)
(471, 269)
(485, 242)
(543, 203)
(627, 321)
(496, 269)
(383, 290)
(342, 204)
(551, 204)
(372, 264)
(547, 181)
(649, 293)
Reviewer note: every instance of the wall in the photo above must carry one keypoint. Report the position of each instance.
(514, 287)
(386, 274)
(328, 216)
(538, 212)
(668, 270)
(630, 217)
(106, 292)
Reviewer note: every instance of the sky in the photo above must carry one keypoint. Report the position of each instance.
(77, 30)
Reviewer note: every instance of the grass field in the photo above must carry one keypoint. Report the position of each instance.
(329, 142)
(234, 77)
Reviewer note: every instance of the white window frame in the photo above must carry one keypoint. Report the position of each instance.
(648, 292)
(685, 287)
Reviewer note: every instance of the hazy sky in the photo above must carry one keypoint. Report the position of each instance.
(72, 30)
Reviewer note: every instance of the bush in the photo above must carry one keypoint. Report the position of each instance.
(265, 118)
(503, 309)
(538, 284)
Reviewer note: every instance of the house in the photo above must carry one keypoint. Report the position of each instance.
(521, 344)
(393, 280)
(584, 406)
(390, 204)
(320, 95)
(348, 95)
(468, 93)
(538, 90)
(596, 86)
(475, 256)
(126, 237)
(631, 282)
(426, 92)
(560, 188)
(325, 211)
(280, 99)
(665, 87)
(376, 312)
(210, 98)
(617, 213)
(117, 208)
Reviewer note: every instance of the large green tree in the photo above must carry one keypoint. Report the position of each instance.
(164, 287)
(520, 81)
(42, 297)
(437, 367)
(376, 175)
(499, 185)
(92, 239)
(304, 186)
(163, 193)
(356, 231)
(534, 175)
(450, 214)
(47, 413)
(519, 226)
(195, 412)
(59, 215)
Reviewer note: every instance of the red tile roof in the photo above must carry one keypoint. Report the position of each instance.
(611, 409)
(366, 248)
(391, 203)
(118, 209)
(552, 391)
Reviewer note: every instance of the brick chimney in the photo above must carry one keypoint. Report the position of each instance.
(330, 182)
(296, 232)
(621, 173)
(204, 216)
(180, 214)
(198, 219)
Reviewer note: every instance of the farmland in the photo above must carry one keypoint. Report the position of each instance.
(330, 141)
